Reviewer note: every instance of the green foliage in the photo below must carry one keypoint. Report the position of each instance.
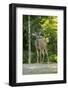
(53, 58)
(48, 26)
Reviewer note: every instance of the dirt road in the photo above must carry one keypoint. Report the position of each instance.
(39, 68)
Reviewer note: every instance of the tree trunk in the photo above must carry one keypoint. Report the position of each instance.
(29, 38)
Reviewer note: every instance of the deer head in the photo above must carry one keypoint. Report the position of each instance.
(39, 35)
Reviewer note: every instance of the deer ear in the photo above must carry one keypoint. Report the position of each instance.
(34, 34)
(47, 40)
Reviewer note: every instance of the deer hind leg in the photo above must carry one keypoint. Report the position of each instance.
(47, 56)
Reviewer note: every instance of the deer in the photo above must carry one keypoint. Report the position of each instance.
(41, 47)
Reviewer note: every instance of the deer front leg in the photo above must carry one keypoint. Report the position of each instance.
(37, 56)
(43, 57)
(40, 56)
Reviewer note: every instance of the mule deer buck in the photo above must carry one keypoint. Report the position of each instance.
(41, 47)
